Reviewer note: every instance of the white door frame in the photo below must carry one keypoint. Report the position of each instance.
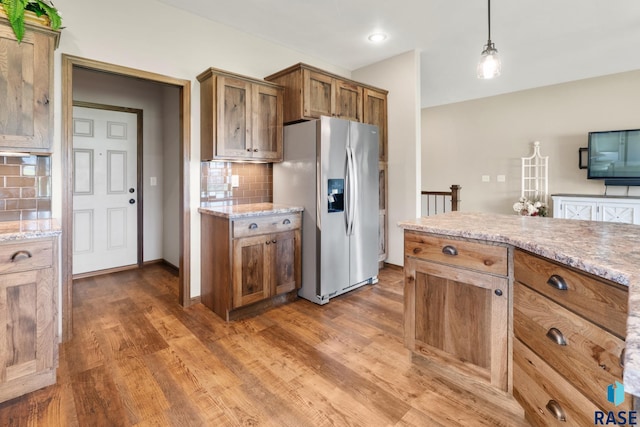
(70, 62)
(139, 184)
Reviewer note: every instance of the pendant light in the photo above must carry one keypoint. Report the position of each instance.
(489, 65)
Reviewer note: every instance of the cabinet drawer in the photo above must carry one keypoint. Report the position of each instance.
(583, 353)
(460, 253)
(603, 302)
(254, 226)
(24, 256)
(537, 386)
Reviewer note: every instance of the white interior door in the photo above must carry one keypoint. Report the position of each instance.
(105, 218)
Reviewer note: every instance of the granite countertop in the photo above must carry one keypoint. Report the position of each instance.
(29, 229)
(246, 210)
(604, 249)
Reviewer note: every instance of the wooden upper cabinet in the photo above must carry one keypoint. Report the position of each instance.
(234, 118)
(241, 117)
(375, 113)
(348, 101)
(311, 92)
(267, 133)
(26, 88)
(319, 97)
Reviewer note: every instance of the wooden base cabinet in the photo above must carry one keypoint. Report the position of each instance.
(457, 305)
(28, 316)
(250, 263)
(569, 332)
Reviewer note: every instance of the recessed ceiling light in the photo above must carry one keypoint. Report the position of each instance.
(377, 37)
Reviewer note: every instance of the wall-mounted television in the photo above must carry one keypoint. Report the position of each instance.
(614, 156)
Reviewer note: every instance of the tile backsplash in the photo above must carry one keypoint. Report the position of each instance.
(255, 183)
(25, 188)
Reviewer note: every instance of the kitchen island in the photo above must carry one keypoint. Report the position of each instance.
(584, 275)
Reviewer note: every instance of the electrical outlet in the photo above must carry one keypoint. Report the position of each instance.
(153, 181)
(486, 178)
(235, 181)
(501, 178)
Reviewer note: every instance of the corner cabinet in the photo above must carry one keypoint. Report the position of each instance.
(597, 208)
(250, 263)
(28, 316)
(26, 88)
(311, 92)
(456, 307)
(241, 118)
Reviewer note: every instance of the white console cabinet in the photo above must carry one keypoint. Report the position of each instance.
(597, 208)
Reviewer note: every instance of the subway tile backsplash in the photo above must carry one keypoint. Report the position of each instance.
(25, 188)
(255, 179)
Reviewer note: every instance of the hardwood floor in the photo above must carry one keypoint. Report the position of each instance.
(137, 358)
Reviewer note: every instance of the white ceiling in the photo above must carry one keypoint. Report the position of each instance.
(541, 42)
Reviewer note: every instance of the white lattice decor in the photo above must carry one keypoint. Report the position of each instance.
(535, 174)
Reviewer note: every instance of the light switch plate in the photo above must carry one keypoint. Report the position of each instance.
(235, 181)
(153, 181)
(486, 178)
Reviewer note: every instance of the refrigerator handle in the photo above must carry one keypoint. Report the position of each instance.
(351, 192)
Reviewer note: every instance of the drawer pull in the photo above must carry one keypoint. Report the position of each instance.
(286, 221)
(15, 256)
(556, 410)
(556, 336)
(253, 226)
(557, 282)
(622, 358)
(450, 250)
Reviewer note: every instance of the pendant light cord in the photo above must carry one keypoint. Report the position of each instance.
(489, 19)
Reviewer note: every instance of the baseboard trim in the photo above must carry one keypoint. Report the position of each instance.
(393, 266)
(105, 271)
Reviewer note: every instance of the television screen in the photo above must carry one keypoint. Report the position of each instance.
(614, 155)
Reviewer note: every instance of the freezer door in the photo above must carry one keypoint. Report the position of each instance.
(363, 141)
(334, 242)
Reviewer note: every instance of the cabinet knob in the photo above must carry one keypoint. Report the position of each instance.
(556, 336)
(15, 256)
(274, 241)
(268, 242)
(255, 150)
(450, 250)
(557, 282)
(498, 292)
(556, 410)
(253, 226)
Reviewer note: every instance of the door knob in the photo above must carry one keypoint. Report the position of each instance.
(132, 201)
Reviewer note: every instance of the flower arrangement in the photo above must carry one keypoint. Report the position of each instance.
(15, 10)
(528, 207)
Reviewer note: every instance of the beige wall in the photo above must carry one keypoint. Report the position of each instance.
(151, 36)
(463, 141)
(400, 75)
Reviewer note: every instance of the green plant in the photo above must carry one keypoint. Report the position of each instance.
(15, 12)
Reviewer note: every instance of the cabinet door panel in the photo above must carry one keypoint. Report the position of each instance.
(348, 101)
(375, 113)
(26, 119)
(319, 95)
(458, 317)
(267, 125)
(250, 267)
(234, 120)
(285, 261)
(27, 331)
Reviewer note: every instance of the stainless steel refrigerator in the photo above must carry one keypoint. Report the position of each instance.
(331, 168)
